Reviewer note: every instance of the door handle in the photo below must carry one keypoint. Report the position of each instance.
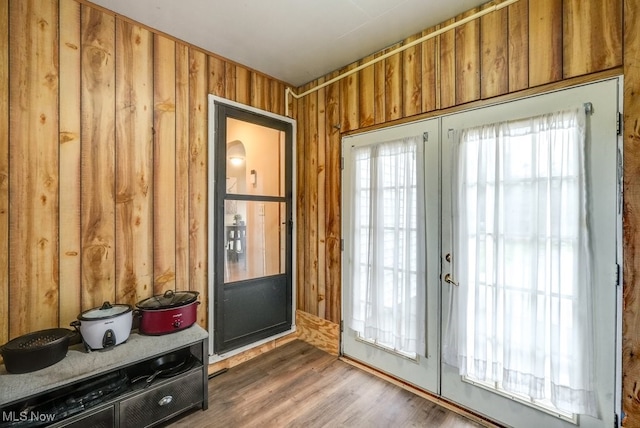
(449, 279)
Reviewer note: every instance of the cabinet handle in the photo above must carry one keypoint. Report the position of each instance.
(165, 400)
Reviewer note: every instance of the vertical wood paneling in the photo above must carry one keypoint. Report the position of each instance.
(545, 41)
(277, 97)
(216, 83)
(182, 166)
(592, 36)
(379, 95)
(430, 53)
(134, 163)
(198, 237)
(494, 50)
(260, 91)
(311, 205)
(4, 171)
(393, 86)
(412, 81)
(322, 202)
(332, 206)
(366, 82)
(448, 66)
(518, 45)
(69, 141)
(349, 108)
(468, 60)
(301, 214)
(230, 81)
(631, 217)
(98, 158)
(33, 60)
(243, 85)
(164, 164)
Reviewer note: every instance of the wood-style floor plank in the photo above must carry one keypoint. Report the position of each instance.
(298, 385)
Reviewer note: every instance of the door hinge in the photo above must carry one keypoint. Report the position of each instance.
(619, 124)
(341, 326)
(425, 137)
(341, 163)
(342, 245)
(616, 421)
(618, 275)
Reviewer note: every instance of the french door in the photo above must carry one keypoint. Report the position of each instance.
(251, 246)
(603, 216)
(427, 368)
(421, 367)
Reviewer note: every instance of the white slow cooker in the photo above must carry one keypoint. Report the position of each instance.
(106, 326)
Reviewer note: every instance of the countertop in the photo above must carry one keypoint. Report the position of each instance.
(80, 364)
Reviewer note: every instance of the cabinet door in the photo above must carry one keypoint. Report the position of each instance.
(104, 418)
(162, 402)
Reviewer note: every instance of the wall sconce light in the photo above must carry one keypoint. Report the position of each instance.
(236, 160)
(253, 177)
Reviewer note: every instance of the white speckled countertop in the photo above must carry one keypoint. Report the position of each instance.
(78, 363)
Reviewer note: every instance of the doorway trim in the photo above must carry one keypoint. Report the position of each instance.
(211, 247)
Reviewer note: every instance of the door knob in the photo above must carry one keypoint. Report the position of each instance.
(447, 278)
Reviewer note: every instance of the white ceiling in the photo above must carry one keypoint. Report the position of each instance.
(295, 41)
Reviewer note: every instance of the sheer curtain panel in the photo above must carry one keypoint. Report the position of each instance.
(387, 227)
(522, 313)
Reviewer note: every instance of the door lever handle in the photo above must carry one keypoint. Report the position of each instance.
(448, 279)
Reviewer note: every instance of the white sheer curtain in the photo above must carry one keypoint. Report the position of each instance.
(522, 314)
(387, 227)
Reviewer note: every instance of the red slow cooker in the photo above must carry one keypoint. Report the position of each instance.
(168, 312)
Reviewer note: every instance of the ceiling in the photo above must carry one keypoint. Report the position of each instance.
(295, 41)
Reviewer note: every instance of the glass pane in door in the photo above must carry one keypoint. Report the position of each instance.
(255, 159)
(255, 239)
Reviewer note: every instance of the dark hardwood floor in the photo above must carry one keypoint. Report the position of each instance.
(298, 385)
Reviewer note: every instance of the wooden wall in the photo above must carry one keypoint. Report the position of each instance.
(103, 160)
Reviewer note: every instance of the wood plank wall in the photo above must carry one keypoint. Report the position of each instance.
(103, 160)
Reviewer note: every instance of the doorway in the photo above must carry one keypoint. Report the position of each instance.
(562, 319)
(251, 223)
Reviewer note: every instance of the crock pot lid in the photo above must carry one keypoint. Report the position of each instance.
(107, 310)
(169, 299)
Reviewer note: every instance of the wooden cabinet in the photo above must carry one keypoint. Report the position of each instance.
(112, 388)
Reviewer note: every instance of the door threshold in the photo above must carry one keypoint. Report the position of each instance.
(252, 350)
(449, 405)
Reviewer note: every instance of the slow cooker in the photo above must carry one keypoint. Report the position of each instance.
(168, 312)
